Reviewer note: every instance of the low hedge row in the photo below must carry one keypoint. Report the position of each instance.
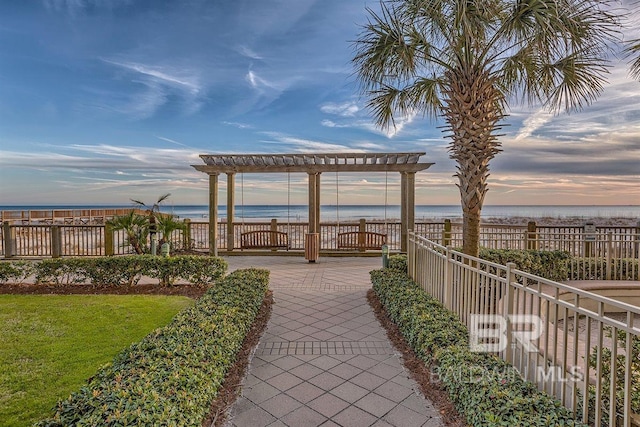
(484, 389)
(552, 265)
(596, 269)
(171, 376)
(117, 271)
(15, 271)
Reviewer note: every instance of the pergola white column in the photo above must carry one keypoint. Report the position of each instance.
(231, 199)
(213, 214)
(407, 206)
(314, 202)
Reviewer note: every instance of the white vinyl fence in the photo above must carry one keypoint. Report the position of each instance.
(565, 340)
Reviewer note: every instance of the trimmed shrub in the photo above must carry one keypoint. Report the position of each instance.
(596, 268)
(198, 270)
(116, 271)
(634, 392)
(484, 389)
(128, 270)
(490, 392)
(173, 374)
(552, 265)
(398, 262)
(60, 271)
(15, 271)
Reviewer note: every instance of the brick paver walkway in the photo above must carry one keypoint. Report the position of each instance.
(324, 360)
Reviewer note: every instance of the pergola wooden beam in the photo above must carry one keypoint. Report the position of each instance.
(313, 165)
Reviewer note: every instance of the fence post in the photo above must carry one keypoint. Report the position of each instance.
(508, 310)
(411, 255)
(362, 228)
(108, 240)
(273, 228)
(448, 282)
(637, 240)
(9, 240)
(446, 234)
(609, 257)
(590, 237)
(532, 235)
(56, 241)
(186, 234)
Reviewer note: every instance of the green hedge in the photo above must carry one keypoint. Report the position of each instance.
(596, 269)
(128, 270)
(552, 265)
(15, 271)
(483, 388)
(398, 262)
(171, 377)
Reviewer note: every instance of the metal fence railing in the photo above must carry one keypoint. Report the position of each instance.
(608, 253)
(570, 339)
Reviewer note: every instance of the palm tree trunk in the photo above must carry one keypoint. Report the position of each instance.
(471, 233)
(472, 116)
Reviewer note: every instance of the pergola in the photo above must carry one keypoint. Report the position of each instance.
(407, 164)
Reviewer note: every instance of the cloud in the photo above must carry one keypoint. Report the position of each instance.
(258, 82)
(349, 115)
(346, 109)
(159, 83)
(162, 74)
(248, 52)
(171, 141)
(77, 6)
(238, 125)
(331, 124)
(103, 157)
(399, 124)
(609, 149)
(371, 146)
(533, 123)
(302, 145)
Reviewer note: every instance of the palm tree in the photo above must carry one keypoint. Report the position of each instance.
(152, 211)
(464, 60)
(167, 224)
(136, 228)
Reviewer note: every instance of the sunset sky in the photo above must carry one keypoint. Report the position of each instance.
(102, 101)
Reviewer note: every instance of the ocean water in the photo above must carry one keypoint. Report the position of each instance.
(295, 213)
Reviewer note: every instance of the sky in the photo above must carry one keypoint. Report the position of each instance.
(104, 101)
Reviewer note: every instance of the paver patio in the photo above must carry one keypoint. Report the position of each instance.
(324, 360)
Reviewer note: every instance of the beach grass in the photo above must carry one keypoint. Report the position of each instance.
(51, 344)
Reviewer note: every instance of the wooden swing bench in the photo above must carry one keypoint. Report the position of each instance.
(264, 239)
(361, 240)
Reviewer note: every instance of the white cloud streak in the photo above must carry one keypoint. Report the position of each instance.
(162, 74)
(302, 145)
(346, 109)
(533, 123)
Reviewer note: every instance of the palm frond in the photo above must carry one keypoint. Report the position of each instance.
(383, 103)
(382, 50)
(579, 78)
(163, 198)
(138, 202)
(633, 49)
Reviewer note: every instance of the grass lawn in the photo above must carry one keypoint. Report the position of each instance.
(50, 344)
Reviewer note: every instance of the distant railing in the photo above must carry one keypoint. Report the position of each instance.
(563, 331)
(64, 216)
(604, 253)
